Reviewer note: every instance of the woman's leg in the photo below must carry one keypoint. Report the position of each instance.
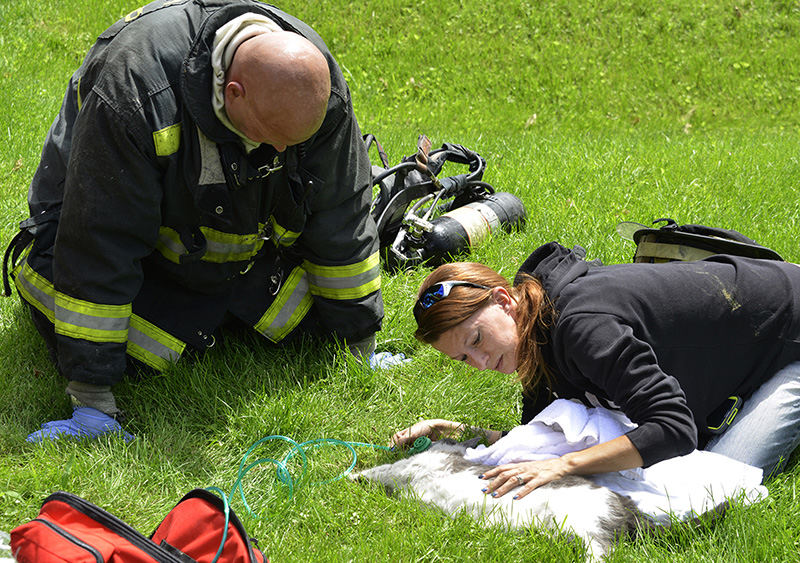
(767, 429)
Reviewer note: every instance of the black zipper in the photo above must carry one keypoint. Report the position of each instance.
(115, 525)
(70, 538)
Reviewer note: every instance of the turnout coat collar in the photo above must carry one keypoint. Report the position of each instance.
(196, 78)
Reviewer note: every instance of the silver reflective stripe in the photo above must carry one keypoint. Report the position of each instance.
(282, 236)
(170, 245)
(224, 251)
(289, 308)
(220, 247)
(89, 321)
(152, 345)
(96, 322)
(346, 282)
(70, 316)
(37, 291)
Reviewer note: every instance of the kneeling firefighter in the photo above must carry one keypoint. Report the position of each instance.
(191, 182)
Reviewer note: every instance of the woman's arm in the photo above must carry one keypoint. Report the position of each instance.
(440, 428)
(615, 455)
(602, 354)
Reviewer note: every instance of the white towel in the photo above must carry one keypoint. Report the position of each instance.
(5, 548)
(682, 487)
(563, 427)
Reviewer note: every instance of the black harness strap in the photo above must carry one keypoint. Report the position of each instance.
(23, 238)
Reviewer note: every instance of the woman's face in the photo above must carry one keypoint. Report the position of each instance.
(488, 339)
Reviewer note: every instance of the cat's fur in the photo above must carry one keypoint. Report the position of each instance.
(442, 477)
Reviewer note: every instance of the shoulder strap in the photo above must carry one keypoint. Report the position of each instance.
(694, 242)
(703, 230)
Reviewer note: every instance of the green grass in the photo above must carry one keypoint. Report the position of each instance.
(592, 114)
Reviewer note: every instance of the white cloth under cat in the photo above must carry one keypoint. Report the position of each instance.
(681, 488)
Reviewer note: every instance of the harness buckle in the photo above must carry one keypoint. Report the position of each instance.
(267, 169)
(275, 282)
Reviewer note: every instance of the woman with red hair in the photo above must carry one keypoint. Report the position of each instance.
(699, 354)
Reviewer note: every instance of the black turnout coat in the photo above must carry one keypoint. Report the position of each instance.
(152, 224)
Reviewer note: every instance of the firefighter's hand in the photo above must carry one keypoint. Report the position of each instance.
(85, 422)
(383, 360)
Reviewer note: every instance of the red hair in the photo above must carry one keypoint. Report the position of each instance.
(533, 313)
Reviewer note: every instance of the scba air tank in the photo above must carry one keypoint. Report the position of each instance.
(460, 229)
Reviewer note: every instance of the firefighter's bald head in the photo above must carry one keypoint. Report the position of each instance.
(277, 89)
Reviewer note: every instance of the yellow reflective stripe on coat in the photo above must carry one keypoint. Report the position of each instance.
(36, 290)
(146, 342)
(280, 235)
(169, 245)
(220, 247)
(167, 141)
(78, 93)
(227, 247)
(71, 316)
(152, 345)
(91, 321)
(289, 308)
(352, 281)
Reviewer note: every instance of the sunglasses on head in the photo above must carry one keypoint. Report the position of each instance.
(437, 292)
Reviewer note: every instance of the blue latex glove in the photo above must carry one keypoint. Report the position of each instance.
(383, 360)
(86, 422)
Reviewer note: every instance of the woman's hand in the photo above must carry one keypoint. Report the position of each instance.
(615, 455)
(433, 429)
(526, 474)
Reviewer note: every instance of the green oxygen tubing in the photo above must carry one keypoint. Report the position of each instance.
(282, 473)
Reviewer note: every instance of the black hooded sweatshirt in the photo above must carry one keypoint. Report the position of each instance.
(664, 343)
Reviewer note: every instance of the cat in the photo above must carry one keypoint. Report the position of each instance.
(442, 477)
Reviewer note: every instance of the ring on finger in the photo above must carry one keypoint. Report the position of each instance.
(520, 481)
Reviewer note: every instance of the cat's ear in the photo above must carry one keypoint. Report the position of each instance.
(472, 442)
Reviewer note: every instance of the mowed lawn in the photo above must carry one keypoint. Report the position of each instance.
(591, 113)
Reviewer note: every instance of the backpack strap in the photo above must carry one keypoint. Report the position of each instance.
(673, 242)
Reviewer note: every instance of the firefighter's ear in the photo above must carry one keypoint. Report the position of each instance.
(235, 103)
(233, 90)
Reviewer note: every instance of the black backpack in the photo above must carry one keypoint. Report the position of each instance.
(672, 242)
